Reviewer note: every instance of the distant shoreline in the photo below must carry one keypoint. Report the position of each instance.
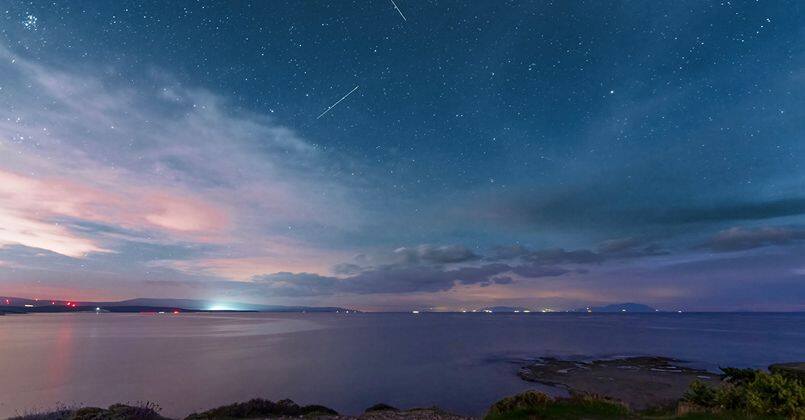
(113, 309)
(17, 310)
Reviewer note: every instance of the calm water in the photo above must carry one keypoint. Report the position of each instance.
(461, 362)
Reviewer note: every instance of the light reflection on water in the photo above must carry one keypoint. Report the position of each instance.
(461, 362)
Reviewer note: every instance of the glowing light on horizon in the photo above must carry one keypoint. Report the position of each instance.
(222, 307)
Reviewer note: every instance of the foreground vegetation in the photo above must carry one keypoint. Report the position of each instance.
(743, 394)
(536, 405)
(751, 393)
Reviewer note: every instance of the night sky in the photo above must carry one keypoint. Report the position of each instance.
(522, 153)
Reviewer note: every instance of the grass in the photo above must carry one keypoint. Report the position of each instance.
(536, 405)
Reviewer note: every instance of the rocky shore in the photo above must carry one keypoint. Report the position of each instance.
(640, 382)
(633, 388)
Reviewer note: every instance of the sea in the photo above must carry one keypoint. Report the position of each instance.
(460, 362)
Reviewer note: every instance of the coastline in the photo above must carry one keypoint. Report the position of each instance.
(188, 363)
(629, 387)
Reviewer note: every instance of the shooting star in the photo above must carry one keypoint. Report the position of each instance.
(398, 10)
(338, 102)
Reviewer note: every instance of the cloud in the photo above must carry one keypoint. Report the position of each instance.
(602, 207)
(507, 252)
(738, 238)
(622, 248)
(347, 269)
(429, 254)
(287, 284)
(164, 162)
(629, 248)
(539, 270)
(561, 256)
(758, 210)
(438, 256)
(20, 230)
(40, 212)
(386, 279)
(430, 269)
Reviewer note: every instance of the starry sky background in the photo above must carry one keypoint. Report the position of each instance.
(529, 153)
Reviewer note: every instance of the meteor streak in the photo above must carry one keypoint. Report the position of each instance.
(398, 10)
(339, 101)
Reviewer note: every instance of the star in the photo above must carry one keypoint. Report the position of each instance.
(30, 23)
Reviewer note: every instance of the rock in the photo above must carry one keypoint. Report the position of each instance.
(640, 382)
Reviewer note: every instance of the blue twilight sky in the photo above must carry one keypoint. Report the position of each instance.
(533, 153)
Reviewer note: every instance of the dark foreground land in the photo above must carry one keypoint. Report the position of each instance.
(630, 388)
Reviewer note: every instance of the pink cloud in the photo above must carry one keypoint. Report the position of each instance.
(31, 210)
(268, 256)
(168, 165)
(17, 229)
(183, 214)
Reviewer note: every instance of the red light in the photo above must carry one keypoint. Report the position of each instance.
(8, 301)
(176, 312)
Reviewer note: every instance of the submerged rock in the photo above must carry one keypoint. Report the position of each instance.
(640, 382)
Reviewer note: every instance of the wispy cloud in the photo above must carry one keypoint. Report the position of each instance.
(166, 164)
(739, 238)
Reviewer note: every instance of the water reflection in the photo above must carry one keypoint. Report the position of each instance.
(461, 362)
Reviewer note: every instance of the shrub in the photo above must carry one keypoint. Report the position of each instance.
(700, 394)
(139, 411)
(380, 407)
(595, 404)
(766, 394)
(525, 401)
(536, 405)
(259, 408)
(751, 393)
(738, 376)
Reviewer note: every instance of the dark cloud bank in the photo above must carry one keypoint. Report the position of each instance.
(738, 239)
(434, 269)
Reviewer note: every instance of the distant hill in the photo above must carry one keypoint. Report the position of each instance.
(619, 307)
(16, 305)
